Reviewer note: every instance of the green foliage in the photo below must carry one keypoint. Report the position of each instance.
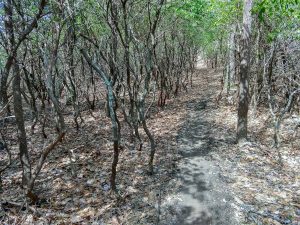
(89, 16)
(278, 8)
(207, 21)
(282, 17)
(192, 10)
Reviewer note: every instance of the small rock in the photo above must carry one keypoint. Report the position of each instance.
(90, 181)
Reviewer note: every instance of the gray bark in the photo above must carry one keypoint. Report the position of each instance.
(243, 103)
(231, 62)
(112, 114)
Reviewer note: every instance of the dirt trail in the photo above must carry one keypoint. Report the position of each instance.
(204, 198)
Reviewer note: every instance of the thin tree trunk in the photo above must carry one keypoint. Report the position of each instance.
(231, 62)
(18, 108)
(243, 103)
(113, 117)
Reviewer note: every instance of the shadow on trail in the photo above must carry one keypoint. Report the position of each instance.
(204, 198)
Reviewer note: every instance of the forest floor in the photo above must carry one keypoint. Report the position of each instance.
(200, 173)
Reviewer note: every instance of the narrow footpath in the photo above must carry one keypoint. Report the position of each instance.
(204, 198)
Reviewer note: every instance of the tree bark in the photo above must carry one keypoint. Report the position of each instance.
(18, 108)
(243, 103)
(113, 117)
(231, 62)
